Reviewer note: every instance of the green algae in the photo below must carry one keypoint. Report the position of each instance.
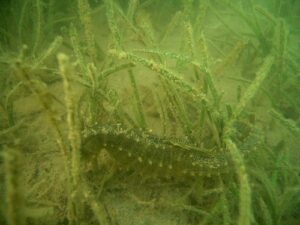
(210, 82)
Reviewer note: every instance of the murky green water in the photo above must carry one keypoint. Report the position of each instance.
(149, 112)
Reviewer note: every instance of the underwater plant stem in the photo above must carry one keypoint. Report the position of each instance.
(132, 8)
(142, 119)
(97, 208)
(112, 23)
(245, 190)
(30, 85)
(52, 49)
(161, 70)
(261, 75)
(73, 133)
(38, 26)
(86, 21)
(44, 101)
(73, 136)
(14, 194)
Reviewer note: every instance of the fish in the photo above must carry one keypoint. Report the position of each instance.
(147, 153)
